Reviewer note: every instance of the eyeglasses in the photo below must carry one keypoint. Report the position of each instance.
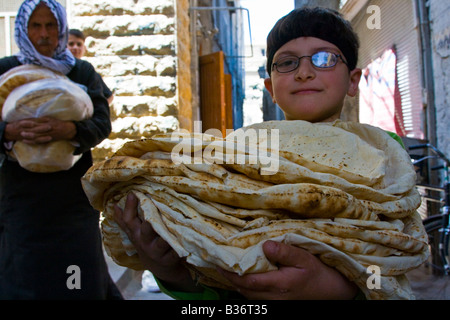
(321, 60)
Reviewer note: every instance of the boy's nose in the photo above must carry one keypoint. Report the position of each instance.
(305, 70)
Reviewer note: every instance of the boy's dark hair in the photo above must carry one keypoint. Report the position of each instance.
(322, 23)
(77, 33)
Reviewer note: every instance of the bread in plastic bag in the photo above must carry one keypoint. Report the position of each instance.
(58, 98)
(23, 74)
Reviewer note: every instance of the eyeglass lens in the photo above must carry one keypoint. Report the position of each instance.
(324, 59)
(321, 59)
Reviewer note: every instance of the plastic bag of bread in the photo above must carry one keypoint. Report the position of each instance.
(21, 75)
(54, 97)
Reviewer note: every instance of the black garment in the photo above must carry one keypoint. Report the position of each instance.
(46, 222)
(106, 91)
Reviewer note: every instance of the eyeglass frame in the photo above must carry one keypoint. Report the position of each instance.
(275, 64)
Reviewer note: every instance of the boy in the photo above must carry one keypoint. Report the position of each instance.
(311, 60)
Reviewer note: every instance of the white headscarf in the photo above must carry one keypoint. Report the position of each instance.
(62, 60)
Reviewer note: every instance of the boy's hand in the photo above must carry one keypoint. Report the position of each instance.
(155, 254)
(301, 275)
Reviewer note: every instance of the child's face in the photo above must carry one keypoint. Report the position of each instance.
(310, 93)
(76, 46)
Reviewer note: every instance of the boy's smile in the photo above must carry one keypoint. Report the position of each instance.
(305, 91)
(308, 92)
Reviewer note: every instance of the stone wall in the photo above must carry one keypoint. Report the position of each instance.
(134, 45)
(440, 29)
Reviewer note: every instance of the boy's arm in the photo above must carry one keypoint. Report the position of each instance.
(208, 293)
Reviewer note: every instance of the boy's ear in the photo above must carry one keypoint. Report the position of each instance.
(355, 77)
(268, 85)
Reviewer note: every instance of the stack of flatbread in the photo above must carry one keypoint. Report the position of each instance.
(343, 191)
(30, 91)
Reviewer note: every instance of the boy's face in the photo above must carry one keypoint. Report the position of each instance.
(76, 46)
(310, 93)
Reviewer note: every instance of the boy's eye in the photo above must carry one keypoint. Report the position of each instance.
(324, 59)
(287, 62)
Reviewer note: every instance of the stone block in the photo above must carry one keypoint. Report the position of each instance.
(142, 127)
(115, 66)
(142, 85)
(118, 8)
(139, 106)
(126, 25)
(131, 46)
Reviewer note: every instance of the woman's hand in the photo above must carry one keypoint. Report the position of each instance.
(300, 275)
(155, 254)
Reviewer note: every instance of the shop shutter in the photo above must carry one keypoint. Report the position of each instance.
(398, 31)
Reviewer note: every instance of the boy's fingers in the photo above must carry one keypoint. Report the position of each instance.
(130, 210)
(252, 286)
(163, 250)
(147, 231)
(118, 216)
(128, 219)
(286, 255)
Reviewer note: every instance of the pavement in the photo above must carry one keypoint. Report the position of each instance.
(427, 286)
(140, 285)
